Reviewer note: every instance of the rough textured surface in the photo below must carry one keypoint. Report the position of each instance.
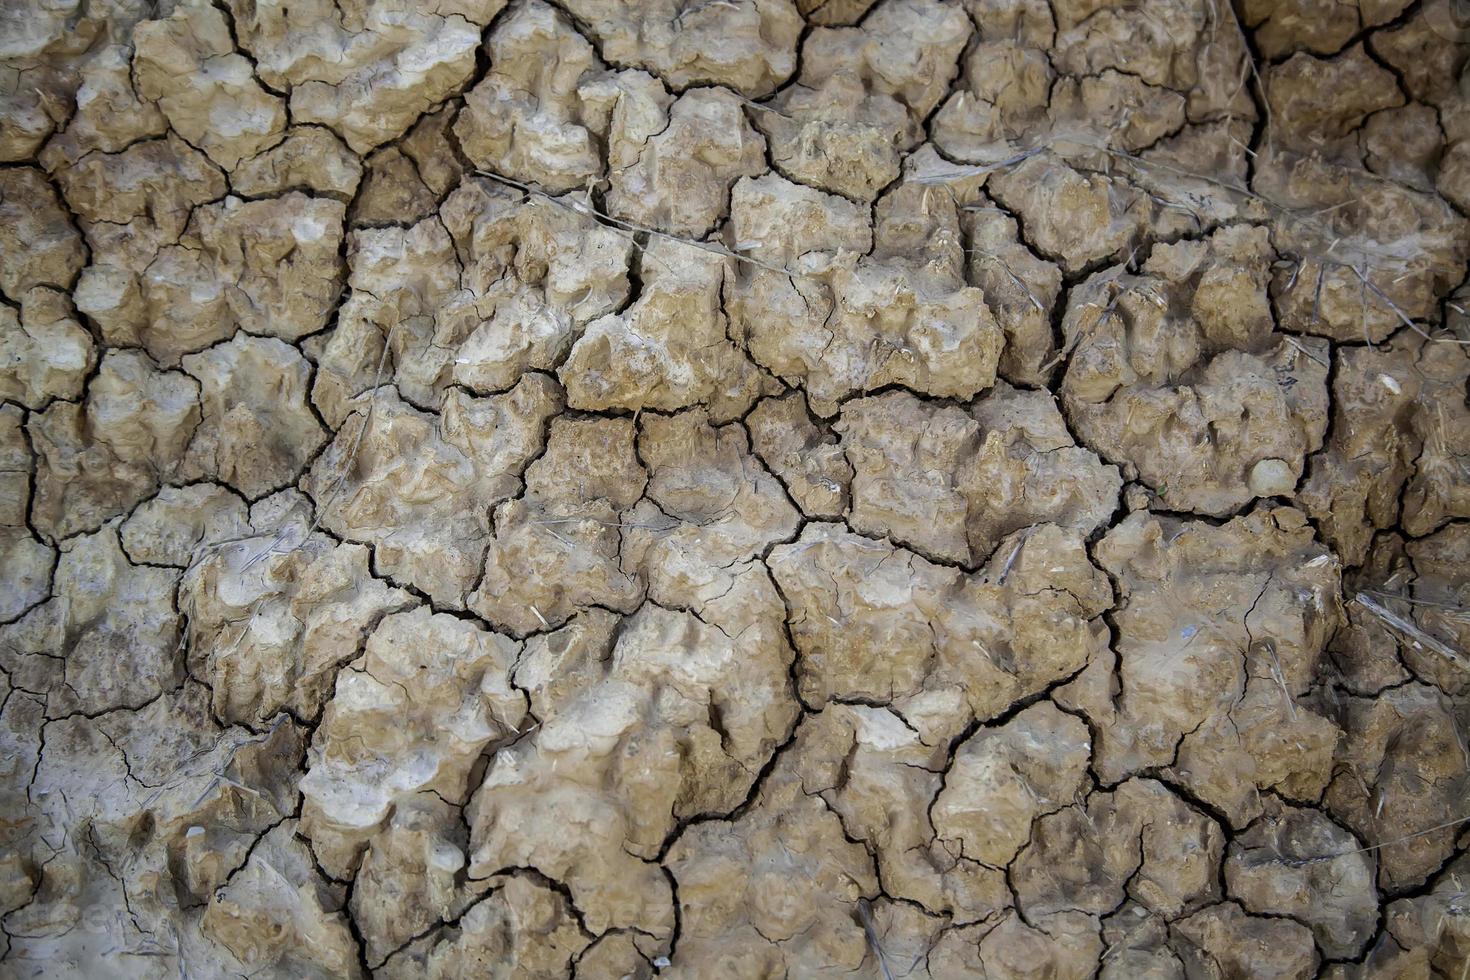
(871, 306)
(735, 488)
(746, 45)
(953, 484)
(1215, 655)
(1176, 374)
(410, 717)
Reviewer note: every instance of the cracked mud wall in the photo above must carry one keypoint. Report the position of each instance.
(735, 488)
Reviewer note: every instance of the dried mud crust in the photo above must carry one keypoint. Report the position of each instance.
(735, 488)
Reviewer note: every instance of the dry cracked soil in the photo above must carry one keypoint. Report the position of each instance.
(735, 488)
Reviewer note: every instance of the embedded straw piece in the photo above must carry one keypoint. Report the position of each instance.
(631, 229)
(1420, 639)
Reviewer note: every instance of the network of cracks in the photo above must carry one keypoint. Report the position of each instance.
(735, 488)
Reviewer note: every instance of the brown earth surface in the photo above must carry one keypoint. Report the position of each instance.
(735, 488)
